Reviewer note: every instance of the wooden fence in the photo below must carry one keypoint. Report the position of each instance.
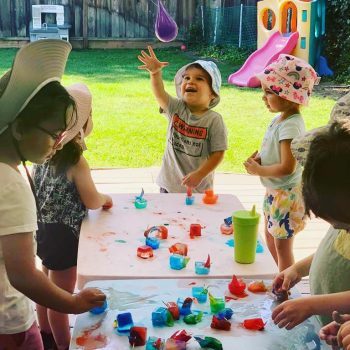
(103, 21)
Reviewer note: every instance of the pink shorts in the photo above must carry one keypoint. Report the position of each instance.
(28, 340)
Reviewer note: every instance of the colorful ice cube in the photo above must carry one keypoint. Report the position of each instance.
(200, 293)
(145, 252)
(179, 248)
(178, 262)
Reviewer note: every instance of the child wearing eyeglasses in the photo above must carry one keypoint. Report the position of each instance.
(31, 100)
(65, 190)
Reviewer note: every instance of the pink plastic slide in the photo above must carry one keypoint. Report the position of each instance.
(260, 58)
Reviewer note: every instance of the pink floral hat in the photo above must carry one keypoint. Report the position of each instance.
(290, 78)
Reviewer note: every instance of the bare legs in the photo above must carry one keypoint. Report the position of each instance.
(55, 322)
(280, 249)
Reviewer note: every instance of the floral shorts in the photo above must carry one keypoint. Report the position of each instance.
(284, 212)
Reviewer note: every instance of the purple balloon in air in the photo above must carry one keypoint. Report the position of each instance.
(165, 27)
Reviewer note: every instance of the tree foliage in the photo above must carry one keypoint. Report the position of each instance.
(337, 39)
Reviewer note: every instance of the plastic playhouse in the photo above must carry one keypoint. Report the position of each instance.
(291, 27)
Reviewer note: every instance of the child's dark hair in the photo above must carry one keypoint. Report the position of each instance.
(326, 179)
(51, 100)
(68, 156)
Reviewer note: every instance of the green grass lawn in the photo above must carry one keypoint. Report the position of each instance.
(129, 131)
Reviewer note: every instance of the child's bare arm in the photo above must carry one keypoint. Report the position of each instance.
(154, 66)
(194, 178)
(289, 277)
(20, 267)
(81, 176)
(285, 167)
(292, 312)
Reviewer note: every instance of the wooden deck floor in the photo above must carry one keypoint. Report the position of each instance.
(247, 188)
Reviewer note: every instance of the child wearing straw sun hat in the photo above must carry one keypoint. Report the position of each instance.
(65, 191)
(34, 111)
(287, 84)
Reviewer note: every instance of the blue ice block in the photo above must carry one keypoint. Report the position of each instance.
(200, 269)
(124, 322)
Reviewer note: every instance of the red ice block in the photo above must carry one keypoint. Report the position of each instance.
(195, 230)
(145, 252)
(138, 336)
(179, 248)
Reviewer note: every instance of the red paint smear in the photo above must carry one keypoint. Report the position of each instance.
(91, 342)
(160, 213)
(192, 283)
(108, 234)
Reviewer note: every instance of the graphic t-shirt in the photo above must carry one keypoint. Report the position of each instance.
(190, 141)
(330, 268)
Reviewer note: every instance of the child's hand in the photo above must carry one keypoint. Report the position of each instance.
(192, 179)
(291, 313)
(87, 299)
(252, 166)
(108, 203)
(286, 279)
(344, 335)
(151, 62)
(329, 332)
(256, 156)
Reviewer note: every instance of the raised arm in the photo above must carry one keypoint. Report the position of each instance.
(81, 176)
(154, 67)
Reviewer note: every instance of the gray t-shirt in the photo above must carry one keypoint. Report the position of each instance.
(190, 141)
(330, 268)
(270, 152)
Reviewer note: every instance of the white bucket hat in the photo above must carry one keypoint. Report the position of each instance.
(83, 99)
(34, 66)
(212, 69)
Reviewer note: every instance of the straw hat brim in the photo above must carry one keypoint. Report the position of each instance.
(35, 65)
(83, 99)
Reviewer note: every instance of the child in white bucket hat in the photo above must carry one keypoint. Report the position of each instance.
(325, 154)
(196, 135)
(34, 108)
(287, 84)
(65, 190)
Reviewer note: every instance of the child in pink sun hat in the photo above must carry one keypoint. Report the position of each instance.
(287, 84)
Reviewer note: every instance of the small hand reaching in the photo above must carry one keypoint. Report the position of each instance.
(286, 279)
(87, 299)
(291, 313)
(108, 203)
(151, 62)
(192, 179)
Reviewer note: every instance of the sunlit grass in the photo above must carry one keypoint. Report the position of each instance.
(128, 129)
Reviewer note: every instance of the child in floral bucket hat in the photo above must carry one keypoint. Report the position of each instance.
(287, 84)
(196, 135)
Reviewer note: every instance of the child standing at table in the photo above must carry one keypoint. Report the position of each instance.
(196, 135)
(287, 84)
(65, 190)
(34, 109)
(325, 154)
(326, 190)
